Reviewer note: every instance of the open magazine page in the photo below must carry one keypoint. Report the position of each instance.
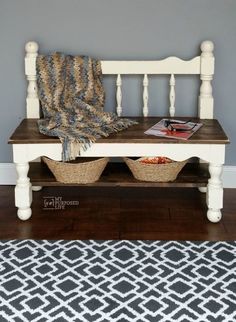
(182, 130)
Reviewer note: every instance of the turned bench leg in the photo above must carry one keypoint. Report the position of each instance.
(214, 195)
(23, 191)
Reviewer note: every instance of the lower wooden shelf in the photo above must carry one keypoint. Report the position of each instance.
(119, 175)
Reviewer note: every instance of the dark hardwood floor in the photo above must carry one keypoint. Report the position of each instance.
(117, 213)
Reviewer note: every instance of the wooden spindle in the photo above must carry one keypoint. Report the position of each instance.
(119, 95)
(32, 101)
(206, 102)
(145, 95)
(172, 95)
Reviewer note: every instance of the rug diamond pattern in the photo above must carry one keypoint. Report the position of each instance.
(106, 281)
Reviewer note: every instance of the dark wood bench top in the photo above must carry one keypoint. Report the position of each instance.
(211, 132)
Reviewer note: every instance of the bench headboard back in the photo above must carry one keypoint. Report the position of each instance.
(202, 65)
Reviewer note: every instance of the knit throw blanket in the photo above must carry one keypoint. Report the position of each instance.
(72, 99)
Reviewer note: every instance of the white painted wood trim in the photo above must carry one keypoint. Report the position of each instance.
(119, 95)
(201, 65)
(172, 96)
(23, 191)
(8, 175)
(32, 101)
(206, 101)
(170, 65)
(145, 95)
(214, 196)
(176, 151)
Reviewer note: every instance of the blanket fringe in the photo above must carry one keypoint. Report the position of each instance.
(71, 149)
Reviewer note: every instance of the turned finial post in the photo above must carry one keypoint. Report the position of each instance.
(32, 101)
(207, 48)
(31, 49)
(206, 101)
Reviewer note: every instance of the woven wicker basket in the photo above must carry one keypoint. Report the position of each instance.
(155, 172)
(83, 170)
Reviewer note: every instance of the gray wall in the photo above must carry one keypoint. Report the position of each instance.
(121, 29)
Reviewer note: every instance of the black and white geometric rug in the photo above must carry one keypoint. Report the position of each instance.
(106, 281)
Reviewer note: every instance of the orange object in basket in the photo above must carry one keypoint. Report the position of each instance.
(156, 160)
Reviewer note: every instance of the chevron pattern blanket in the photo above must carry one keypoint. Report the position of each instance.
(72, 99)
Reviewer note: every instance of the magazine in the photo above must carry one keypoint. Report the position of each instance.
(174, 129)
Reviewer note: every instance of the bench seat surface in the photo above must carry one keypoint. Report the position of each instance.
(211, 132)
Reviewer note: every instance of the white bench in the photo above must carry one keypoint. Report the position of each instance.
(208, 144)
